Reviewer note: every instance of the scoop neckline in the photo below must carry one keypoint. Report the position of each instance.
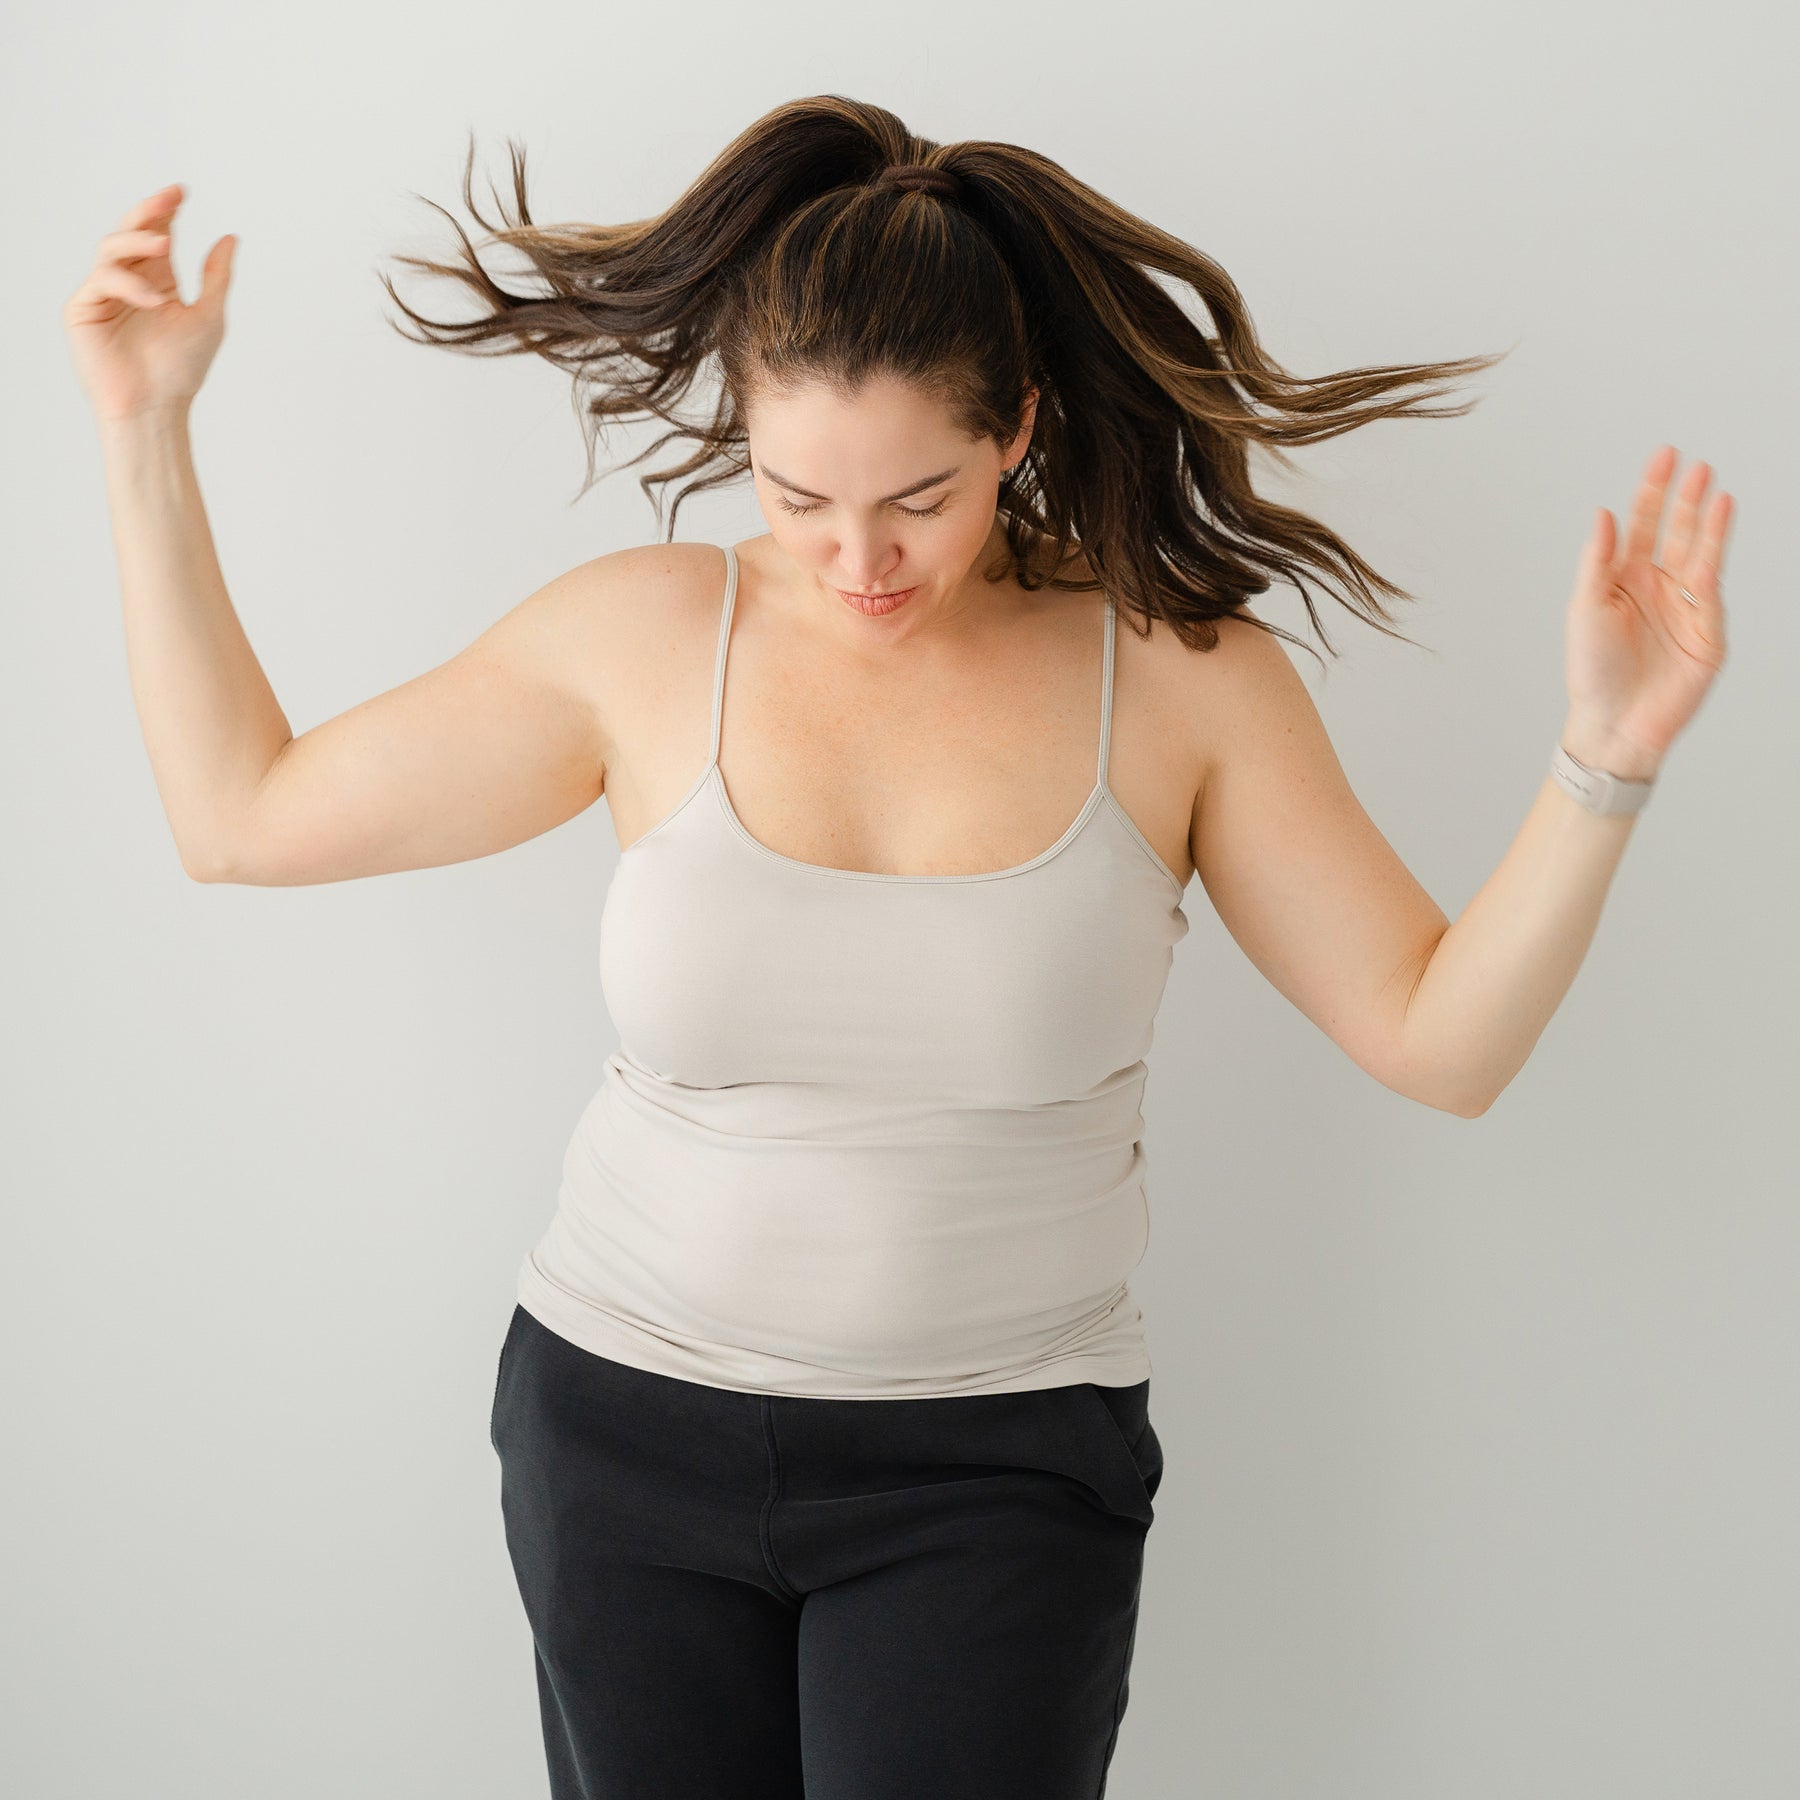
(1100, 795)
(1088, 807)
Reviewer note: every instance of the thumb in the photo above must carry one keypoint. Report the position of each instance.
(1605, 539)
(1597, 552)
(215, 272)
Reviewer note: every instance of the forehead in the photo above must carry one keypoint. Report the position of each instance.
(880, 435)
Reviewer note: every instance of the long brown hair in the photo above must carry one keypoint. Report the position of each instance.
(791, 259)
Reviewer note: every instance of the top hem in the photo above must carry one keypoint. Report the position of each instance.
(639, 1348)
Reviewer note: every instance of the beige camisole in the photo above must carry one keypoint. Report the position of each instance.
(866, 1135)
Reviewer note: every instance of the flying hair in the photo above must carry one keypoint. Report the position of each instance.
(828, 243)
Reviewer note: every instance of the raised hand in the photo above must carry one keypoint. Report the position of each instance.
(136, 345)
(1641, 653)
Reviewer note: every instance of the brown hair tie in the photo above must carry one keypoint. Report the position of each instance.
(920, 178)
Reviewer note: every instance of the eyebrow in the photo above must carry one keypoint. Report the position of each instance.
(918, 487)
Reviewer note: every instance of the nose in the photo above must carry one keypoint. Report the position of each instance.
(865, 561)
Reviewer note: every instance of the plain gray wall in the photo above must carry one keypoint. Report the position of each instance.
(1480, 1435)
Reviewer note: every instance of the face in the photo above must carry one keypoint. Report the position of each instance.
(879, 498)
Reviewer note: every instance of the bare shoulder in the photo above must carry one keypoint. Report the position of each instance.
(1189, 694)
(1236, 694)
(1190, 713)
(633, 623)
(625, 588)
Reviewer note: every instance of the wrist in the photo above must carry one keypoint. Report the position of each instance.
(1596, 747)
(145, 422)
(145, 445)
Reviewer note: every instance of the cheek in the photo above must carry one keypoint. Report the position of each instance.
(804, 540)
(971, 529)
(956, 542)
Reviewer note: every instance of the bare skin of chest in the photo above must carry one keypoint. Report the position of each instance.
(962, 761)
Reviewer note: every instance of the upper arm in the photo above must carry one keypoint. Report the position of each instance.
(1306, 884)
(501, 743)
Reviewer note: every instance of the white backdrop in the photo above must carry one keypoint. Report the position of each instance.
(1480, 1435)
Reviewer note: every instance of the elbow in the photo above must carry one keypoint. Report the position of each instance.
(1440, 1097)
(1457, 1108)
(207, 866)
(229, 853)
(1436, 1082)
(1467, 1106)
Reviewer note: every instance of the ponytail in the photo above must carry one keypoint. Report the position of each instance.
(826, 242)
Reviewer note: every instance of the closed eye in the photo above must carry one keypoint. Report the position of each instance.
(912, 512)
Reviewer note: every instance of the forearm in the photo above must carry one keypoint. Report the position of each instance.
(1501, 970)
(210, 720)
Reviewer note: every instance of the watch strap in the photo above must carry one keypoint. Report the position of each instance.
(1596, 789)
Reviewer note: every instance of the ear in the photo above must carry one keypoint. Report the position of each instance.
(1020, 444)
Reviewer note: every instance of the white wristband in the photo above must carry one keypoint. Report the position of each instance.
(1595, 789)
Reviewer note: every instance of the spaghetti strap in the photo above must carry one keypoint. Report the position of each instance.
(718, 693)
(1106, 690)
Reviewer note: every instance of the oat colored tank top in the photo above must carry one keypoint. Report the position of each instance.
(866, 1135)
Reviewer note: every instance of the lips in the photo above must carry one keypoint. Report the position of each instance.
(876, 606)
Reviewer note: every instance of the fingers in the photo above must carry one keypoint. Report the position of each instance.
(1701, 577)
(131, 246)
(1709, 551)
(1686, 516)
(1601, 545)
(1593, 578)
(120, 281)
(132, 263)
(1646, 508)
(215, 273)
(153, 209)
(1694, 550)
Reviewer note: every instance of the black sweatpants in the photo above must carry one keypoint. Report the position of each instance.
(742, 1596)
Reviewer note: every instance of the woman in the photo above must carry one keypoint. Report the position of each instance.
(823, 1414)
